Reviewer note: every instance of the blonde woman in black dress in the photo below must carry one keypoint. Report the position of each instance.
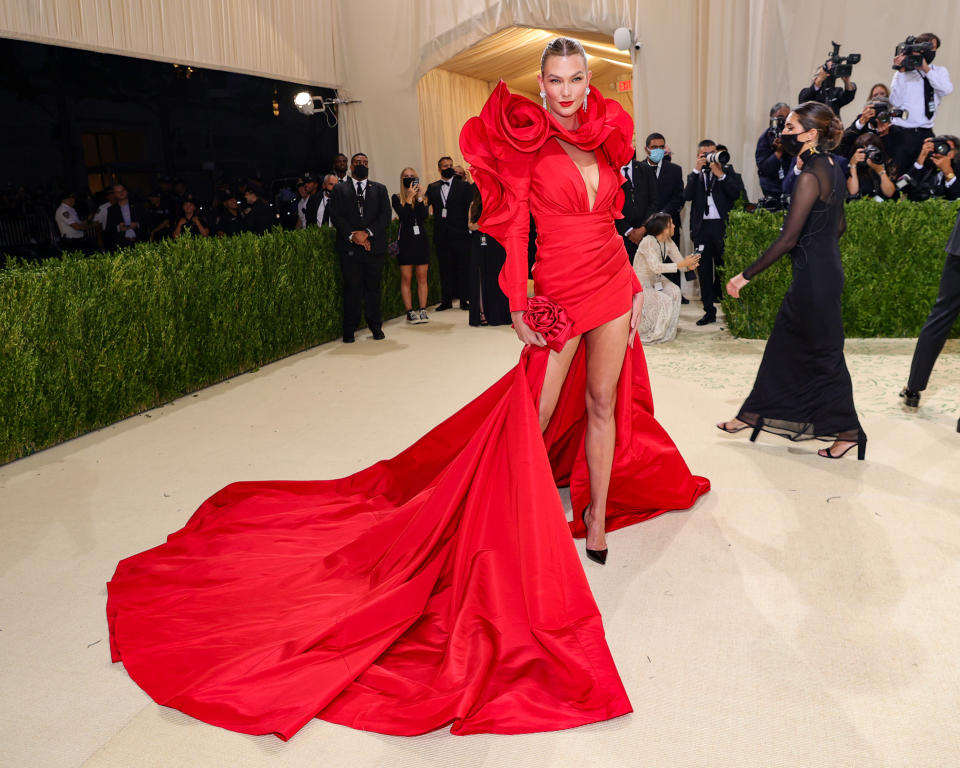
(414, 250)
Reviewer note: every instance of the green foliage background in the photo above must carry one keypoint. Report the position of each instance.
(87, 341)
(892, 255)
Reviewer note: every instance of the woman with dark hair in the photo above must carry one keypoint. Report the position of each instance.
(803, 389)
(442, 586)
(656, 256)
(869, 176)
(488, 303)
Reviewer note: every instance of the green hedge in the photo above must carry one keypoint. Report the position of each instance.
(892, 256)
(87, 341)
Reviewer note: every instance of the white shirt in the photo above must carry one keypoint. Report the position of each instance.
(101, 215)
(363, 185)
(302, 211)
(125, 212)
(66, 216)
(445, 191)
(321, 208)
(711, 212)
(906, 91)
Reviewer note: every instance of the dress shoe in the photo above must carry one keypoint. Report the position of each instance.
(707, 319)
(442, 306)
(378, 335)
(465, 305)
(911, 399)
(684, 300)
(348, 338)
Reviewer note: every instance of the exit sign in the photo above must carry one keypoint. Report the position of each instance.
(624, 85)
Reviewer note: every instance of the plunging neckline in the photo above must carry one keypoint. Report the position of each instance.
(586, 187)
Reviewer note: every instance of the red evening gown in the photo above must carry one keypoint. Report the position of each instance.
(442, 586)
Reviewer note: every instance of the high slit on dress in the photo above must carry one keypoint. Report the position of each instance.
(442, 586)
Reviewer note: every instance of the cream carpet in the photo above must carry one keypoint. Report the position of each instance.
(802, 614)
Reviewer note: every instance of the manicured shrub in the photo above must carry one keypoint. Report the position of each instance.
(892, 256)
(87, 341)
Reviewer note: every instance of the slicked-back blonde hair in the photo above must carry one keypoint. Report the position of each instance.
(562, 46)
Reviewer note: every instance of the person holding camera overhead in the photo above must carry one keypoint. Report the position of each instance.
(772, 162)
(712, 188)
(823, 88)
(869, 165)
(918, 86)
(414, 250)
(803, 389)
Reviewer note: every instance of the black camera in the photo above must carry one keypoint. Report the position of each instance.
(411, 181)
(941, 145)
(913, 52)
(774, 202)
(776, 127)
(874, 154)
(884, 114)
(842, 65)
(721, 157)
(913, 188)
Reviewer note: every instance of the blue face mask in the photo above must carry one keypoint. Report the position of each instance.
(656, 155)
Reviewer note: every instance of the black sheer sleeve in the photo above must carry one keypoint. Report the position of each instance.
(806, 192)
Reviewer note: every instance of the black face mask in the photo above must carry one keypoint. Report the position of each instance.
(790, 143)
(360, 172)
(929, 56)
(447, 173)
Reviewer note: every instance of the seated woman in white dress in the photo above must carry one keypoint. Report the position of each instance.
(661, 298)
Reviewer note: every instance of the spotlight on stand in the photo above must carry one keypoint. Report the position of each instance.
(309, 104)
(624, 40)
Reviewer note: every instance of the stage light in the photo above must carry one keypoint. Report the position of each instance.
(624, 40)
(308, 104)
(304, 102)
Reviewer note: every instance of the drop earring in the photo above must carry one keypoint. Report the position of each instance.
(585, 94)
(543, 98)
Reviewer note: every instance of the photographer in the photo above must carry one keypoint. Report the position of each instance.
(918, 86)
(772, 163)
(712, 188)
(824, 90)
(876, 118)
(869, 175)
(934, 173)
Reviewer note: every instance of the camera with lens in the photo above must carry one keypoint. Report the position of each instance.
(774, 202)
(874, 154)
(913, 189)
(411, 181)
(721, 157)
(842, 65)
(776, 127)
(885, 114)
(914, 53)
(941, 145)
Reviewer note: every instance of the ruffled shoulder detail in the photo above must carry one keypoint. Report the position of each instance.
(500, 143)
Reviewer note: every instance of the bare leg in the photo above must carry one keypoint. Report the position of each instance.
(606, 346)
(406, 272)
(422, 284)
(557, 366)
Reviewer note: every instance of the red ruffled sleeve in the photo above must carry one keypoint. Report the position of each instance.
(500, 146)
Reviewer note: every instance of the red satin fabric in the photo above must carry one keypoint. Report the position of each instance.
(438, 587)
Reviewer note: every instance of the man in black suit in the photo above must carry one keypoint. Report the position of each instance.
(712, 190)
(639, 203)
(669, 186)
(944, 314)
(127, 221)
(825, 90)
(449, 199)
(318, 212)
(361, 214)
(772, 162)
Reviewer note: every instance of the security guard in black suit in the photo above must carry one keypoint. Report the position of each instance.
(640, 202)
(669, 187)
(944, 314)
(450, 198)
(361, 215)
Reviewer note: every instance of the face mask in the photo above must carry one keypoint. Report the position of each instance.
(360, 172)
(656, 155)
(929, 56)
(790, 143)
(447, 173)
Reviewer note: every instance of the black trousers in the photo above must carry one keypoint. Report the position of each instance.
(362, 280)
(939, 322)
(453, 257)
(710, 236)
(909, 142)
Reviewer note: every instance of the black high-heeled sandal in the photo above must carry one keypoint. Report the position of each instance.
(860, 445)
(723, 427)
(597, 555)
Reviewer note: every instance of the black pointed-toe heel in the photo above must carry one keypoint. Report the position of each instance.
(753, 435)
(597, 555)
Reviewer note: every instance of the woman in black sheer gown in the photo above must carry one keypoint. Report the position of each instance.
(803, 389)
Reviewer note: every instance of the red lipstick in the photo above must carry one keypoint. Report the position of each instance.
(566, 103)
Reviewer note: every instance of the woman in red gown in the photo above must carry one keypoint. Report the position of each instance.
(442, 586)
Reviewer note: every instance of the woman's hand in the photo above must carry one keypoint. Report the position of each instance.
(876, 167)
(859, 156)
(524, 332)
(635, 314)
(691, 262)
(736, 284)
